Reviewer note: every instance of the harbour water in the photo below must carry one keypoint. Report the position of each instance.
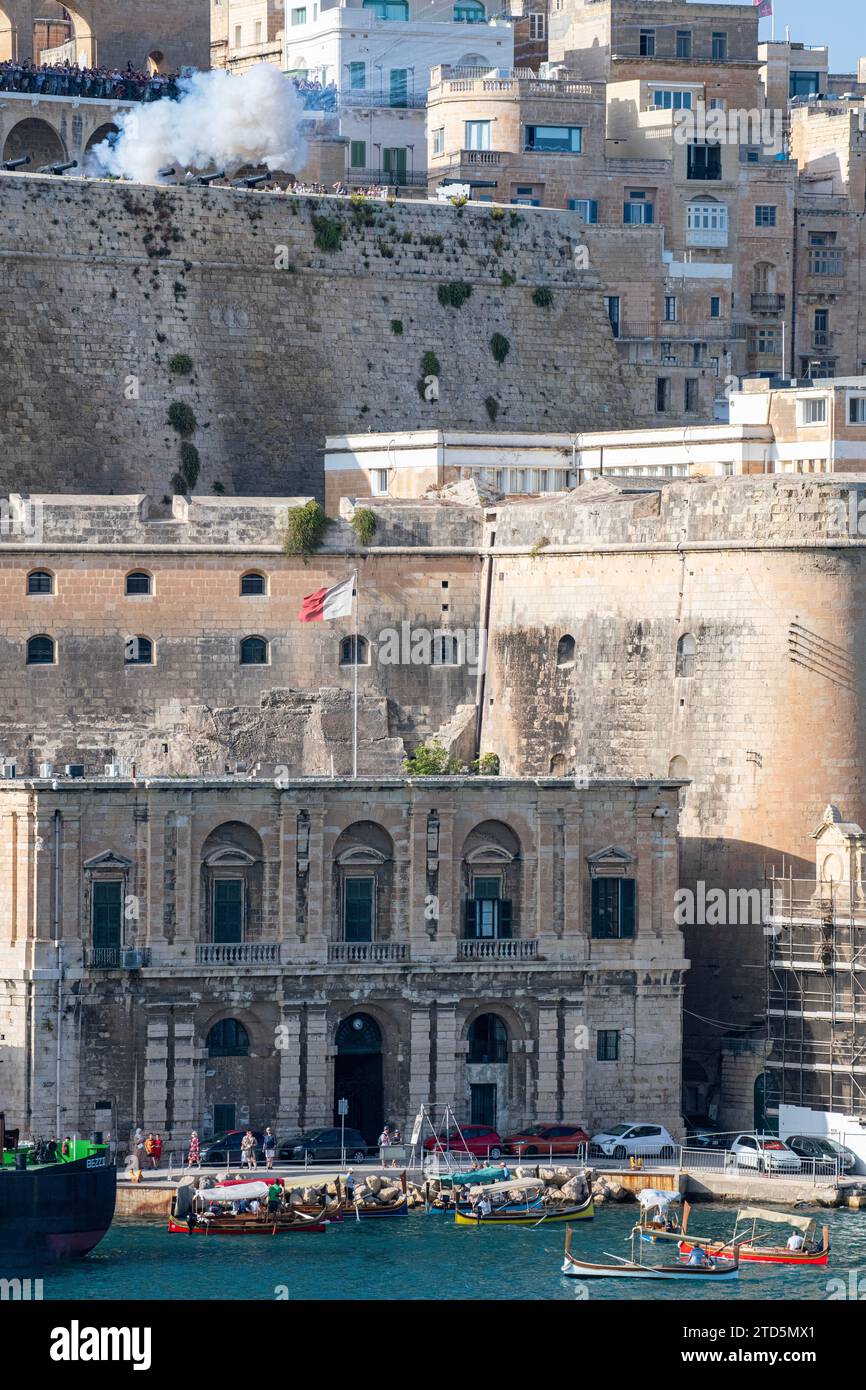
(428, 1257)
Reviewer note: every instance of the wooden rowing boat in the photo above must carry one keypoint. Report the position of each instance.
(751, 1251)
(717, 1271)
(207, 1211)
(517, 1213)
(281, 1224)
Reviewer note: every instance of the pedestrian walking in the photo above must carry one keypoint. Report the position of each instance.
(269, 1145)
(248, 1150)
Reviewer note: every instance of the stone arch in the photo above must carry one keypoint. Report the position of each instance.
(491, 874)
(9, 33)
(363, 883)
(83, 37)
(764, 277)
(565, 648)
(493, 1033)
(39, 139)
(686, 649)
(359, 1049)
(156, 62)
(244, 1082)
(102, 132)
(231, 896)
(678, 766)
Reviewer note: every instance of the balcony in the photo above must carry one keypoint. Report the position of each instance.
(367, 952)
(768, 303)
(485, 158)
(707, 236)
(821, 340)
(363, 100)
(715, 329)
(238, 953)
(507, 948)
(115, 958)
(363, 178)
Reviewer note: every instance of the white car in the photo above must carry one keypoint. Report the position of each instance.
(634, 1141)
(767, 1153)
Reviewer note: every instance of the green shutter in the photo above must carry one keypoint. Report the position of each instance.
(470, 925)
(505, 917)
(358, 154)
(359, 909)
(228, 910)
(107, 908)
(627, 898)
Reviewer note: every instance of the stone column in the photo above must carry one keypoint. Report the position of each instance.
(547, 1093)
(446, 1056)
(419, 1059)
(156, 1075)
(317, 928)
(184, 1118)
(415, 924)
(184, 930)
(541, 907)
(573, 876)
(575, 1046)
(288, 851)
(319, 1104)
(289, 1108)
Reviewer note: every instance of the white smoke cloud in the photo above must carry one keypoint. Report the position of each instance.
(220, 121)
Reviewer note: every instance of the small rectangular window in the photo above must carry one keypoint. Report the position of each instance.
(765, 215)
(238, 35)
(684, 43)
(720, 46)
(477, 135)
(647, 43)
(670, 308)
(299, 16)
(554, 139)
(715, 306)
(613, 908)
(857, 410)
(537, 26)
(663, 394)
(379, 482)
(358, 154)
(586, 208)
(439, 140)
(637, 212)
(813, 411)
(704, 161)
(607, 1045)
(357, 76)
(258, 31)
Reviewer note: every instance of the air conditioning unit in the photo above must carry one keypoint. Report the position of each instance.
(74, 769)
(46, 769)
(112, 769)
(130, 960)
(7, 770)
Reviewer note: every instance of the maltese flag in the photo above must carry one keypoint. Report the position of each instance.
(765, 8)
(335, 602)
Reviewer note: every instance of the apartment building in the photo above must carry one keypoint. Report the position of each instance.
(246, 32)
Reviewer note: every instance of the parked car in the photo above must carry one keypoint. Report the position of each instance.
(708, 1139)
(765, 1152)
(325, 1144)
(823, 1150)
(226, 1148)
(545, 1139)
(479, 1140)
(635, 1141)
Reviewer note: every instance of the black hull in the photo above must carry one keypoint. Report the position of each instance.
(54, 1211)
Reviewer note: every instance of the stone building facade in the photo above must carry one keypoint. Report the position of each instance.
(209, 953)
(160, 34)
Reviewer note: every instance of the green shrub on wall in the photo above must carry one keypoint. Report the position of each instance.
(305, 529)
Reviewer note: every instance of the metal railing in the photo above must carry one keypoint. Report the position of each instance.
(373, 101)
(723, 1161)
(509, 948)
(714, 330)
(768, 303)
(116, 957)
(381, 177)
(367, 951)
(238, 953)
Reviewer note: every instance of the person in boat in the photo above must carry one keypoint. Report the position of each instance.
(350, 1187)
(698, 1256)
(795, 1242)
(269, 1145)
(275, 1198)
(484, 1205)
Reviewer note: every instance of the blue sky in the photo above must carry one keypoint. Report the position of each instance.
(839, 23)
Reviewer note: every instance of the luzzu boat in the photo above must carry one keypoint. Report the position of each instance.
(519, 1203)
(716, 1271)
(815, 1249)
(212, 1211)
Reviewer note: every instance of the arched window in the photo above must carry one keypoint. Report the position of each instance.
(488, 1039)
(565, 651)
(686, 655)
(40, 582)
(446, 649)
(678, 767)
(764, 277)
(139, 582)
(557, 765)
(228, 1038)
(138, 651)
(253, 583)
(348, 650)
(469, 12)
(254, 651)
(40, 651)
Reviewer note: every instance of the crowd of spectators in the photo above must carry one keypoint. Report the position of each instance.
(69, 80)
(314, 96)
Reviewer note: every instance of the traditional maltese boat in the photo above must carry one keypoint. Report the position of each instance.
(659, 1218)
(517, 1203)
(714, 1270)
(227, 1210)
(815, 1248)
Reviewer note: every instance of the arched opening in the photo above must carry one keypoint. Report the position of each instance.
(686, 648)
(678, 767)
(228, 1038)
(488, 1041)
(36, 138)
(40, 582)
(358, 1075)
(139, 582)
(8, 38)
(557, 765)
(254, 651)
(354, 651)
(156, 63)
(40, 651)
(764, 277)
(231, 887)
(363, 868)
(565, 651)
(445, 649)
(491, 882)
(138, 651)
(252, 583)
(469, 12)
(83, 39)
(102, 132)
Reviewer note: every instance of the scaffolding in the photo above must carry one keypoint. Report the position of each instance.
(816, 993)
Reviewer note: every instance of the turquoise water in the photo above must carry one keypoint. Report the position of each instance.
(423, 1257)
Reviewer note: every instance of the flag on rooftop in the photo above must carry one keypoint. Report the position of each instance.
(335, 602)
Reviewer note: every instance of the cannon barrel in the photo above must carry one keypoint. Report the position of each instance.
(205, 179)
(15, 163)
(250, 180)
(166, 173)
(59, 168)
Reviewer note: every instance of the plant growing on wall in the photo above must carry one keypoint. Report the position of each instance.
(500, 347)
(397, 327)
(542, 297)
(431, 760)
(430, 364)
(491, 405)
(506, 280)
(327, 233)
(454, 294)
(190, 463)
(364, 524)
(487, 765)
(180, 364)
(181, 417)
(305, 529)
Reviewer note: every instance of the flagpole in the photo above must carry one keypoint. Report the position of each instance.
(356, 655)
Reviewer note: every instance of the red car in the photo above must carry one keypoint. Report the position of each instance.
(537, 1140)
(479, 1140)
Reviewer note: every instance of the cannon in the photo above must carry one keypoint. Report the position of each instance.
(15, 163)
(250, 180)
(58, 168)
(204, 179)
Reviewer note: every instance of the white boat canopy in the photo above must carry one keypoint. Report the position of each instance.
(515, 1185)
(779, 1218)
(655, 1197)
(240, 1192)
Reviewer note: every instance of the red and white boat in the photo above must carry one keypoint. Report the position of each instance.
(815, 1249)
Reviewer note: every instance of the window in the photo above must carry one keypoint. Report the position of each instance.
(253, 583)
(358, 901)
(686, 648)
(299, 16)
(691, 395)
(765, 215)
(613, 908)
(469, 12)
(446, 649)
(379, 482)
(857, 410)
(670, 308)
(647, 43)
(40, 651)
(358, 154)
(228, 910)
(477, 135)
(586, 208)
(537, 26)
(258, 31)
(139, 582)
(482, 1104)
(663, 393)
(821, 328)
(684, 43)
(803, 84)
(488, 914)
(565, 651)
(720, 46)
(399, 86)
(107, 913)
(349, 646)
(554, 139)
(488, 1040)
(637, 211)
(704, 161)
(357, 76)
(707, 224)
(611, 304)
(237, 36)
(763, 277)
(439, 140)
(40, 582)
(715, 306)
(824, 260)
(765, 340)
(254, 651)
(388, 9)
(813, 411)
(138, 651)
(666, 99)
(607, 1045)
(228, 1038)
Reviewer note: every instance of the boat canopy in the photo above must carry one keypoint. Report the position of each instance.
(513, 1185)
(238, 1192)
(779, 1218)
(655, 1197)
(476, 1175)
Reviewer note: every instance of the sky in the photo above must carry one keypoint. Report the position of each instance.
(841, 24)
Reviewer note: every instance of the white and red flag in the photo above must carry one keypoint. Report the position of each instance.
(765, 8)
(335, 602)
